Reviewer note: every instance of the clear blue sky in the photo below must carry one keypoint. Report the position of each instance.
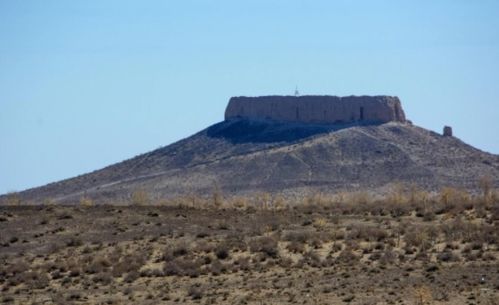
(84, 84)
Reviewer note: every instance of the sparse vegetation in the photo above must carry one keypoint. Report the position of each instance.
(140, 198)
(333, 249)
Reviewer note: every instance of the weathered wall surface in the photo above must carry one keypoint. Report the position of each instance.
(317, 109)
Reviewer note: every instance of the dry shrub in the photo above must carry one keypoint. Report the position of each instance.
(222, 252)
(140, 198)
(312, 259)
(177, 250)
(423, 295)
(320, 223)
(64, 215)
(447, 256)
(296, 247)
(397, 194)
(488, 256)
(472, 256)
(397, 209)
(374, 256)
(366, 232)
(486, 234)
(352, 244)
(418, 196)
(86, 202)
(494, 212)
(418, 238)
(313, 199)
(403, 198)
(17, 267)
(183, 266)
(200, 247)
(102, 278)
(358, 198)
(74, 242)
(128, 264)
(239, 203)
(336, 248)
(465, 231)
(235, 243)
(347, 256)
(223, 225)
(191, 200)
(389, 257)
(217, 267)
(485, 183)
(452, 200)
(298, 236)
(454, 230)
(242, 263)
(217, 197)
(131, 276)
(279, 202)
(195, 292)
(263, 201)
(266, 245)
(98, 265)
(34, 280)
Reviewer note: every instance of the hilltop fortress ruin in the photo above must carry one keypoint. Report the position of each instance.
(317, 109)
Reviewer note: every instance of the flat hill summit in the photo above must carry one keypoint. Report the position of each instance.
(291, 145)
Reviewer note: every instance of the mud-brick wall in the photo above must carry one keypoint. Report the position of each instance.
(317, 109)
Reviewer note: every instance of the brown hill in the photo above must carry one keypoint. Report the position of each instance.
(248, 155)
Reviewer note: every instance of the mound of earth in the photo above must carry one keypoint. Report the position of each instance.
(242, 156)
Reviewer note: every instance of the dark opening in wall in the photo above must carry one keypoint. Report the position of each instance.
(362, 113)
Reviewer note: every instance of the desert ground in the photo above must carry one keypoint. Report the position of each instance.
(412, 249)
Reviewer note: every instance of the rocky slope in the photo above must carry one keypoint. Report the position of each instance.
(247, 156)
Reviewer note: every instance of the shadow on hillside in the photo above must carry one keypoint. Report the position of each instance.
(239, 131)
